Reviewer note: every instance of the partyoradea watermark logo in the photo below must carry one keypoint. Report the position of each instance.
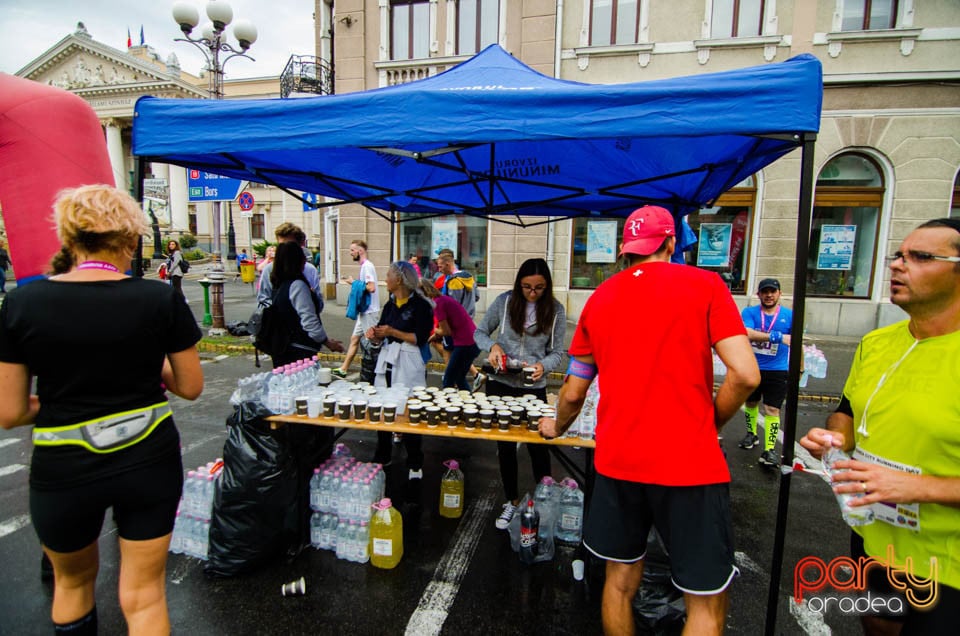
(840, 585)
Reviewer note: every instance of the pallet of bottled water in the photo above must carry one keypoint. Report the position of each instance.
(814, 364)
(342, 493)
(191, 530)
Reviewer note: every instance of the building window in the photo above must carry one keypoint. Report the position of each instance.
(409, 30)
(192, 221)
(736, 18)
(256, 227)
(846, 222)
(478, 25)
(465, 235)
(867, 15)
(613, 22)
(723, 235)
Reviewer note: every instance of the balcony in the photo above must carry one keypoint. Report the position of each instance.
(306, 75)
(393, 72)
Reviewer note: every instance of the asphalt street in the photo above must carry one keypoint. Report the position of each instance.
(456, 576)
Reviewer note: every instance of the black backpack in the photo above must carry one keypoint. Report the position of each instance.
(184, 265)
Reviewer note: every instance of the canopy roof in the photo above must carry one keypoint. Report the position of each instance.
(492, 136)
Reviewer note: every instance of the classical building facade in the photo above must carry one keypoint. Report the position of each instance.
(887, 155)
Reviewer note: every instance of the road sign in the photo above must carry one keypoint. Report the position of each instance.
(207, 186)
(246, 201)
(309, 198)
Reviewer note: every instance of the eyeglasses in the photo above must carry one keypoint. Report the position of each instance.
(539, 289)
(919, 258)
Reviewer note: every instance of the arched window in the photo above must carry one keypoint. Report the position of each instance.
(846, 221)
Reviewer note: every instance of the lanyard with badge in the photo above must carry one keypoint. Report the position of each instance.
(767, 348)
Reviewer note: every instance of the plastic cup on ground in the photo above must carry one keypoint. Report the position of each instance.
(294, 588)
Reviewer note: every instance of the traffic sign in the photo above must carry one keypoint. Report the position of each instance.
(308, 199)
(246, 201)
(207, 186)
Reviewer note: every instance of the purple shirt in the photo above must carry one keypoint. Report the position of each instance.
(460, 322)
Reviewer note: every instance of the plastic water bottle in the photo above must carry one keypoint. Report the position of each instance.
(386, 535)
(363, 542)
(204, 539)
(190, 494)
(208, 491)
(273, 391)
(323, 502)
(315, 490)
(316, 530)
(452, 490)
(176, 541)
(529, 531)
(570, 521)
(858, 516)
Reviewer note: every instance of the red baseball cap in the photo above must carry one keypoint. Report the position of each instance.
(645, 229)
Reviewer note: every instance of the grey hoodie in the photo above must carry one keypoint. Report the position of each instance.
(545, 348)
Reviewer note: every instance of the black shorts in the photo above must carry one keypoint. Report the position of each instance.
(773, 388)
(693, 522)
(144, 504)
(942, 618)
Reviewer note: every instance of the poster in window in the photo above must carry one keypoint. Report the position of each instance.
(601, 241)
(836, 246)
(156, 200)
(713, 249)
(444, 236)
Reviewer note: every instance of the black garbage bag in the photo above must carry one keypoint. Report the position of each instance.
(238, 328)
(255, 508)
(658, 605)
(369, 354)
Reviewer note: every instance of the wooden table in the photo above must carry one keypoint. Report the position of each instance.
(515, 434)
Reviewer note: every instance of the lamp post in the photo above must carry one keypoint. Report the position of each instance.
(212, 42)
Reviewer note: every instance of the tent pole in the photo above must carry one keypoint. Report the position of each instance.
(139, 174)
(804, 221)
(393, 235)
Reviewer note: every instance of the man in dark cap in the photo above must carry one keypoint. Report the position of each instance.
(768, 328)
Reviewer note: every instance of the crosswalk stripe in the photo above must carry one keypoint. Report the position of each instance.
(8, 442)
(12, 525)
(11, 469)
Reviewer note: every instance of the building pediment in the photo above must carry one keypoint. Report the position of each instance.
(93, 70)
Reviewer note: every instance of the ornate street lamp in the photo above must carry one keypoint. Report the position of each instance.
(212, 42)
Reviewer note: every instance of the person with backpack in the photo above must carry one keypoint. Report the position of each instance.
(177, 266)
(296, 311)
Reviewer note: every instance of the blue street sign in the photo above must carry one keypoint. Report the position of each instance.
(309, 198)
(207, 186)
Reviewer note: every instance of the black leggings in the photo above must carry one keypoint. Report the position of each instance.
(507, 451)
(144, 503)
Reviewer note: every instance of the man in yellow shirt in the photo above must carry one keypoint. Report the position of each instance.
(900, 419)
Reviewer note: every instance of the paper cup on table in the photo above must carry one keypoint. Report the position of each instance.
(503, 420)
(517, 414)
(470, 418)
(329, 406)
(486, 419)
(433, 416)
(415, 412)
(359, 410)
(389, 412)
(453, 416)
(344, 409)
(374, 410)
(301, 404)
(533, 420)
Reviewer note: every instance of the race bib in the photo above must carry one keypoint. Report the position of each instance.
(765, 348)
(901, 515)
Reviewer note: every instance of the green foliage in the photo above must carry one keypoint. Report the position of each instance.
(187, 241)
(193, 255)
(261, 248)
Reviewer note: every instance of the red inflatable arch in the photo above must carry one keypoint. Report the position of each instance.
(50, 139)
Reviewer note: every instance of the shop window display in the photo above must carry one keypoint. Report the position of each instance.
(465, 235)
(846, 223)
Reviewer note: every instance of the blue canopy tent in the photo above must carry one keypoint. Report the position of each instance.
(493, 138)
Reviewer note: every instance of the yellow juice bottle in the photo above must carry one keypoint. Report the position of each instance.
(451, 491)
(386, 535)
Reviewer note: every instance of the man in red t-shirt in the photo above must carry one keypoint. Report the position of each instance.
(658, 460)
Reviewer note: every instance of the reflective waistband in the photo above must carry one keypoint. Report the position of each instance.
(106, 434)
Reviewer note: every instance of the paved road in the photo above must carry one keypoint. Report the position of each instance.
(455, 577)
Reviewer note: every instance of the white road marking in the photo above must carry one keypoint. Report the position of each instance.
(12, 525)
(12, 468)
(198, 443)
(8, 442)
(746, 563)
(218, 358)
(435, 603)
(809, 621)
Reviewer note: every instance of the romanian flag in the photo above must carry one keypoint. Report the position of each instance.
(129, 41)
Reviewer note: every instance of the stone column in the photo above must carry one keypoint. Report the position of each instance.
(117, 154)
(179, 209)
